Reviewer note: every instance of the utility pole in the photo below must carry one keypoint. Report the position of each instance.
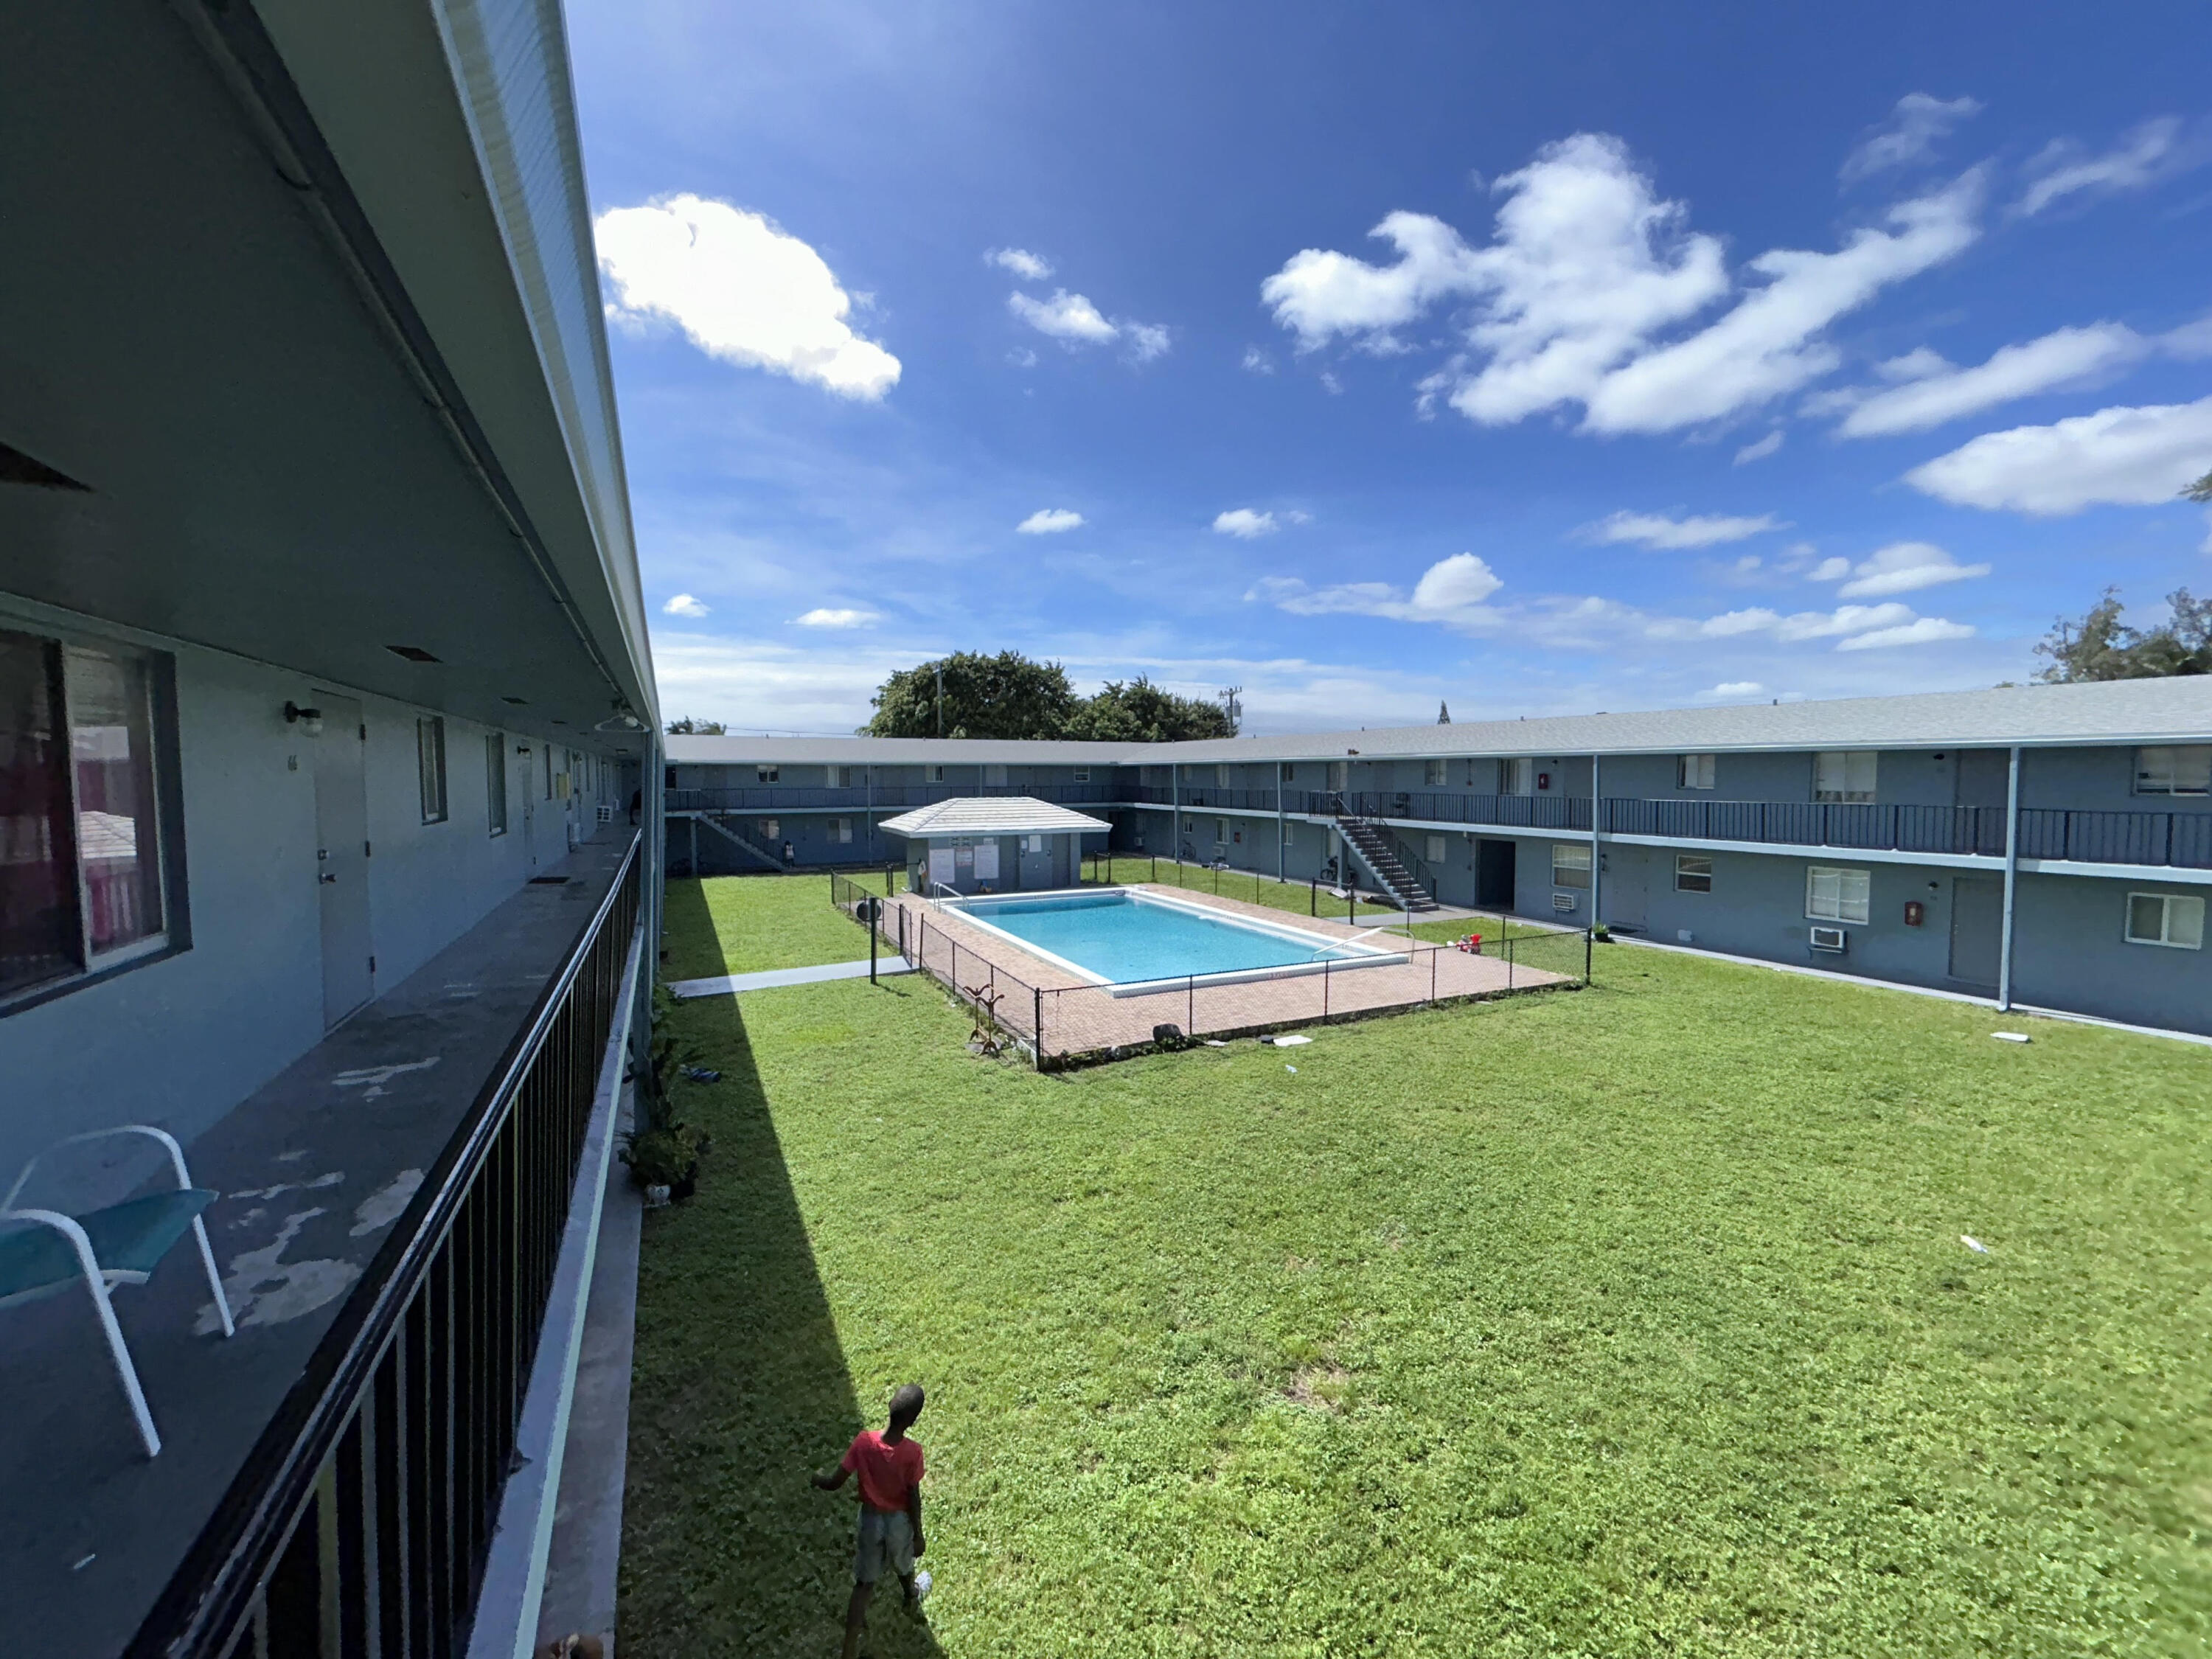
(940, 699)
(1231, 701)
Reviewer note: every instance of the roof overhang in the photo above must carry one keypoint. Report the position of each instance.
(992, 815)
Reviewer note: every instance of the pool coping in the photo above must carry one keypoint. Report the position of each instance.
(1369, 955)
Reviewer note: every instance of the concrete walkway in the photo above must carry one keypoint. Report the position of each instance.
(731, 984)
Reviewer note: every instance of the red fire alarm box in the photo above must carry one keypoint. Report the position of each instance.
(1915, 913)
(1543, 779)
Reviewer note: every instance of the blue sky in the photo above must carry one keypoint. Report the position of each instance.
(1705, 354)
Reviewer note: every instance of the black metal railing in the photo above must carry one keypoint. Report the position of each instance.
(359, 1524)
(773, 797)
(1447, 807)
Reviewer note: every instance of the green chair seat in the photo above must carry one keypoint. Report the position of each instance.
(35, 1258)
(132, 1237)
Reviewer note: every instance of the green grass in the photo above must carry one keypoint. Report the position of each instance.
(748, 924)
(1634, 1321)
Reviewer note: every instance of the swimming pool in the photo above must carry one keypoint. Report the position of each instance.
(1122, 937)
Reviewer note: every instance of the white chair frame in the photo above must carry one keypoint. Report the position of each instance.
(100, 1281)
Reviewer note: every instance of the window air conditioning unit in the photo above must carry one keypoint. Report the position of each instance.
(1830, 939)
(606, 815)
(1562, 901)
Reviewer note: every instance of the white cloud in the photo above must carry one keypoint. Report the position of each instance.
(1585, 273)
(1797, 626)
(1451, 591)
(740, 289)
(824, 618)
(1331, 385)
(2149, 153)
(1927, 630)
(2136, 457)
(1655, 530)
(1913, 129)
(1065, 316)
(1830, 570)
(1146, 340)
(1761, 450)
(1905, 568)
(1049, 521)
(1933, 391)
(683, 604)
(1732, 691)
(1244, 524)
(1072, 320)
(1257, 362)
(1022, 357)
(1030, 267)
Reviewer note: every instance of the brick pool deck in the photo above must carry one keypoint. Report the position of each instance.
(1082, 1021)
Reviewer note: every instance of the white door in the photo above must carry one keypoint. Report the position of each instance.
(342, 857)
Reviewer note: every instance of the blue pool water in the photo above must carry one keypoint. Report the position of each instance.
(1122, 937)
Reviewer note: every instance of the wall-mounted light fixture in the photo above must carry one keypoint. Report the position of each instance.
(310, 718)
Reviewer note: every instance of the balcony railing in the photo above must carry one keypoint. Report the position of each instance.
(897, 797)
(360, 1522)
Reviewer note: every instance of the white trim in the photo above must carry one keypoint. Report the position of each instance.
(513, 1585)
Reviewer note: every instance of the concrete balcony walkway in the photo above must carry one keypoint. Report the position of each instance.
(314, 1169)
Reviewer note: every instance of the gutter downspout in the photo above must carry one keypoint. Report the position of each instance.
(2011, 878)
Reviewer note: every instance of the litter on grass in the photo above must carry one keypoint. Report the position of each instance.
(1292, 1041)
(700, 1075)
(1973, 1244)
(1215, 1042)
(1292, 1070)
(2010, 1036)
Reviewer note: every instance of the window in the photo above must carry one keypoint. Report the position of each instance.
(1221, 777)
(430, 760)
(1433, 850)
(2174, 771)
(1289, 834)
(1838, 895)
(1290, 773)
(994, 776)
(1696, 772)
(80, 846)
(1570, 865)
(548, 751)
(1221, 832)
(1517, 776)
(1432, 773)
(841, 777)
(1190, 826)
(1081, 774)
(771, 830)
(1844, 774)
(1694, 874)
(937, 775)
(496, 781)
(768, 774)
(1339, 772)
(840, 831)
(2172, 918)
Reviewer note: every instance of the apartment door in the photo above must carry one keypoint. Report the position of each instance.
(342, 857)
(528, 778)
(1625, 891)
(1493, 874)
(1037, 861)
(1976, 930)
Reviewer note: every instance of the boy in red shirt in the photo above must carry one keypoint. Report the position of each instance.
(888, 1466)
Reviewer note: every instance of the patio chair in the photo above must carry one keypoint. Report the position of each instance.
(119, 1244)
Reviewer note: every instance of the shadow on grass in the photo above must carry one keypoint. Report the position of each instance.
(693, 951)
(740, 1392)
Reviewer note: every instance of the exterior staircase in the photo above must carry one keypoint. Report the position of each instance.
(1376, 850)
(743, 843)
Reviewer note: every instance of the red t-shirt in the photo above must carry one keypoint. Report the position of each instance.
(889, 1470)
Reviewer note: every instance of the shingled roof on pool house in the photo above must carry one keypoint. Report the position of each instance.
(993, 815)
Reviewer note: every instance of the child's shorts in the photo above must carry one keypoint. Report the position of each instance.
(883, 1538)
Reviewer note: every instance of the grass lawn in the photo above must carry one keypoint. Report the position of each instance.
(1631, 1322)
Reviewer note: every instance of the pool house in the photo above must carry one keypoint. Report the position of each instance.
(994, 844)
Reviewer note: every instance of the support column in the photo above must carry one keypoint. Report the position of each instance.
(1597, 856)
(1175, 799)
(1282, 866)
(2011, 878)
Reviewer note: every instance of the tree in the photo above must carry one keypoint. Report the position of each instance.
(689, 726)
(2102, 647)
(1007, 696)
(1137, 711)
(2200, 491)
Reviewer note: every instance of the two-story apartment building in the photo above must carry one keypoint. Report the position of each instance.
(324, 690)
(2050, 846)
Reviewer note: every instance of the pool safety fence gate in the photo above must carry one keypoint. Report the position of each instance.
(359, 1522)
(1059, 1026)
